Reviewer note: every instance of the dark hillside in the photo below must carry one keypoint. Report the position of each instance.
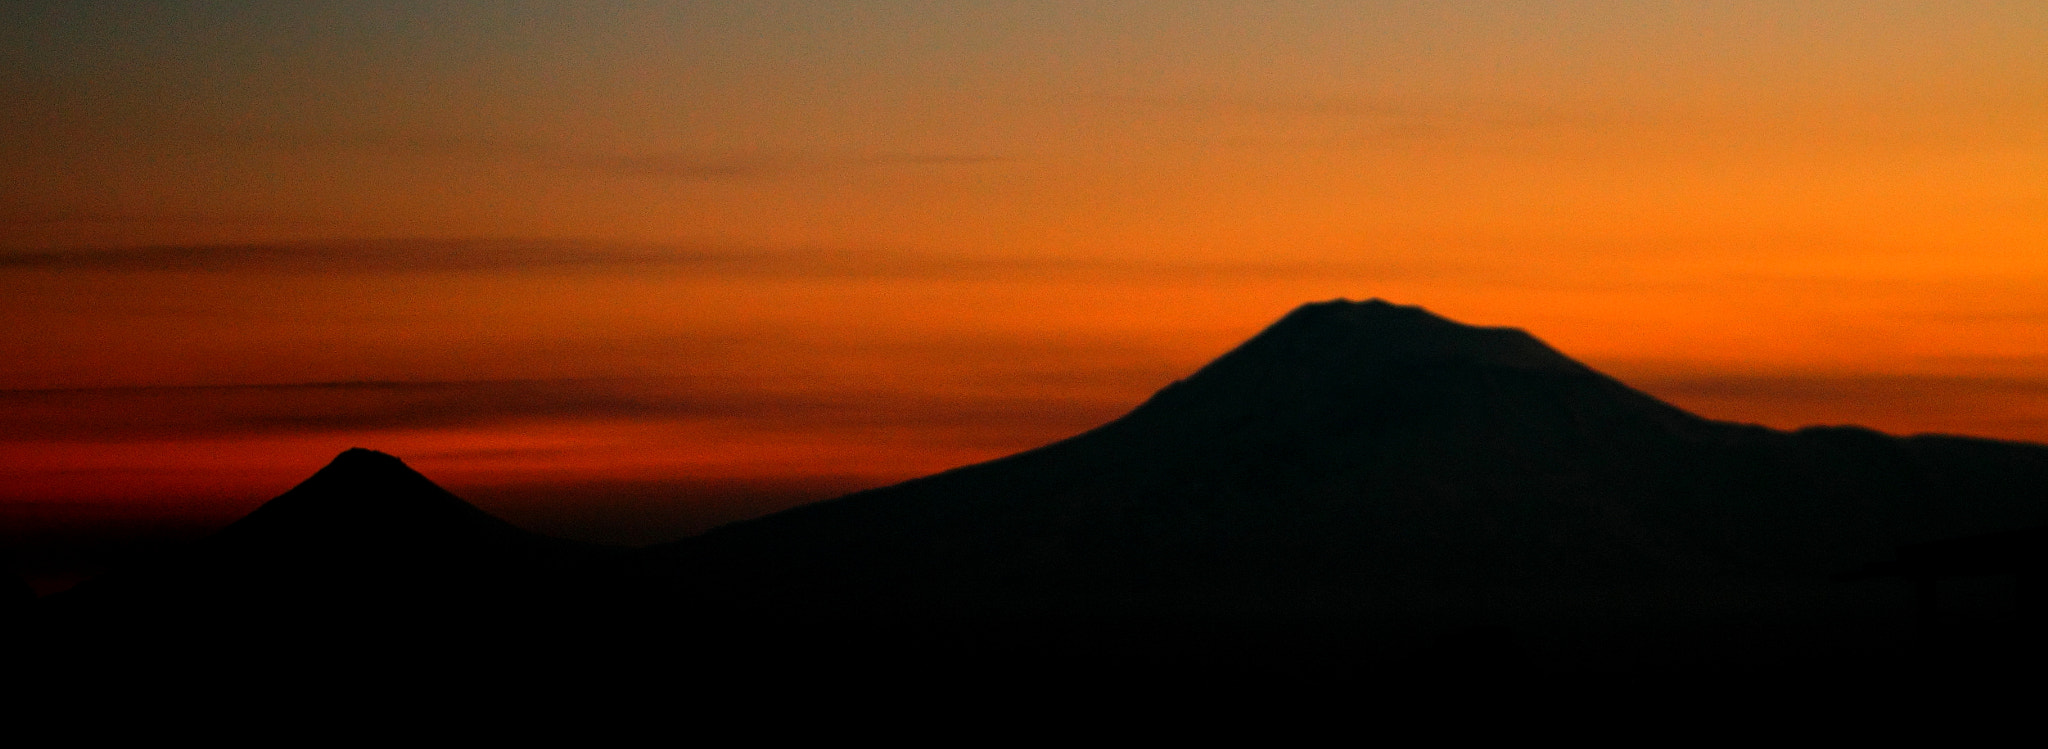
(1362, 462)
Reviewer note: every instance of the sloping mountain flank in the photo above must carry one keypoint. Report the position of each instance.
(1361, 457)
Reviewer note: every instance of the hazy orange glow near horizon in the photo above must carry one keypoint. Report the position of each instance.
(631, 271)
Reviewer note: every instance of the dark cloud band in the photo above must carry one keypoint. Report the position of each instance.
(399, 256)
(146, 413)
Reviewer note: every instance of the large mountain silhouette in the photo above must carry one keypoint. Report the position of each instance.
(1366, 460)
(1360, 481)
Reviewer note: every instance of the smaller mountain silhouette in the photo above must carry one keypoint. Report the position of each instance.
(370, 509)
(366, 546)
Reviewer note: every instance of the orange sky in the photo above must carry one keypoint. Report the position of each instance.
(680, 262)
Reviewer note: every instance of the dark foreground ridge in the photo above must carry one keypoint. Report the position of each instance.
(1363, 495)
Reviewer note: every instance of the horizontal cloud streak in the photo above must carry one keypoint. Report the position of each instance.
(680, 165)
(1350, 123)
(369, 256)
(1411, 115)
(1841, 388)
(197, 412)
(400, 256)
(111, 218)
(2005, 407)
(192, 412)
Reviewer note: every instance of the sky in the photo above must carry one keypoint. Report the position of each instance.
(624, 271)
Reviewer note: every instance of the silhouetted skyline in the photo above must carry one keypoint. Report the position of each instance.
(743, 257)
(1361, 488)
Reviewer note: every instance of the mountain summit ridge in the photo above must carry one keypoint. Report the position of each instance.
(1380, 331)
(1334, 359)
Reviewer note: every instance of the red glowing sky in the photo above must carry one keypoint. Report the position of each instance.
(678, 263)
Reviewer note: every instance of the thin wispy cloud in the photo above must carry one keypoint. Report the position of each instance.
(125, 413)
(2008, 407)
(656, 165)
(933, 159)
(1500, 113)
(32, 219)
(623, 162)
(1840, 388)
(445, 256)
(374, 256)
(1329, 121)
(686, 167)
(121, 414)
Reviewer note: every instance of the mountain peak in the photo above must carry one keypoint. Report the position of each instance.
(357, 469)
(362, 492)
(1329, 368)
(357, 460)
(1374, 306)
(1344, 333)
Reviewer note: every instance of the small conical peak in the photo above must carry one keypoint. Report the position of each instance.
(361, 491)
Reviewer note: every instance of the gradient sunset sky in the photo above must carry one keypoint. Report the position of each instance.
(624, 270)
